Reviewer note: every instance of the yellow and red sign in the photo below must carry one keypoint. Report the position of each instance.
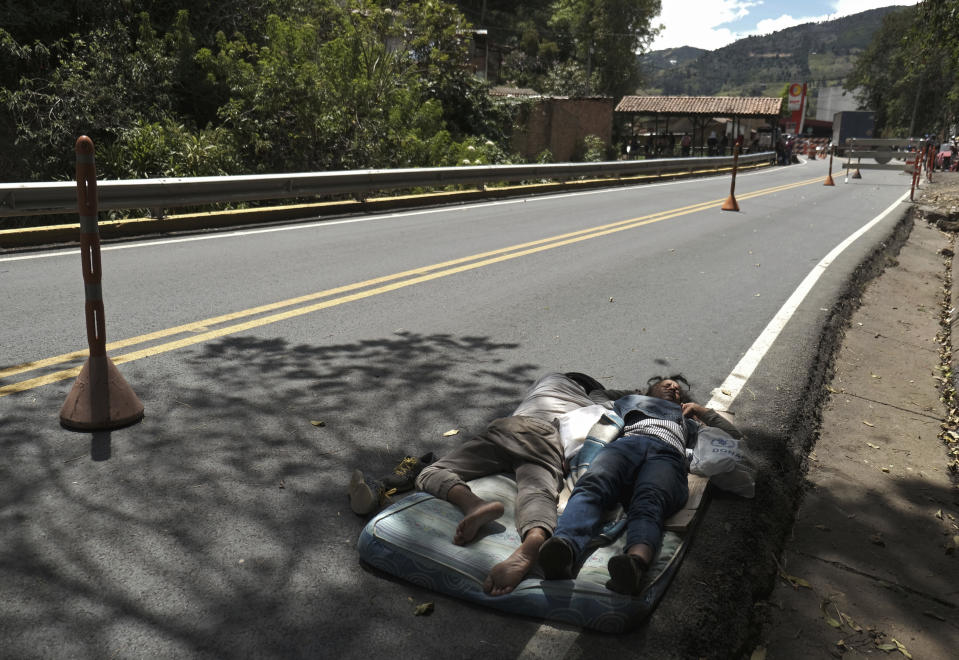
(796, 93)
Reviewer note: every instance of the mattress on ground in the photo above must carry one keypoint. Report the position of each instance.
(411, 539)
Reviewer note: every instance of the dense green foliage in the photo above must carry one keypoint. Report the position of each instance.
(908, 73)
(273, 85)
(169, 88)
(819, 53)
(568, 47)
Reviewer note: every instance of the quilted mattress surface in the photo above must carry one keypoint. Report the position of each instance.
(411, 539)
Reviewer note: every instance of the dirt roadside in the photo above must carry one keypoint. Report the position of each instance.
(871, 567)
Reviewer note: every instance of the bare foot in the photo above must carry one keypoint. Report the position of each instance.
(474, 519)
(504, 577)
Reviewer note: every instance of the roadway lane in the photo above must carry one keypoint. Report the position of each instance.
(219, 525)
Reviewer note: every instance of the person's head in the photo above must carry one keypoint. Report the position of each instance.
(670, 388)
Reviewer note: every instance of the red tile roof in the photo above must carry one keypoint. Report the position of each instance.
(718, 106)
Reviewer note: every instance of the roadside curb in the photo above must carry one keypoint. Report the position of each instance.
(864, 567)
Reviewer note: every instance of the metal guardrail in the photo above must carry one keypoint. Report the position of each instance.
(22, 199)
(882, 150)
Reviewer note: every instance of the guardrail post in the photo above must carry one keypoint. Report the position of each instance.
(730, 203)
(829, 181)
(100, 398)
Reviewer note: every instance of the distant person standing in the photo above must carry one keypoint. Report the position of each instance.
(711, 143)
(685, 144)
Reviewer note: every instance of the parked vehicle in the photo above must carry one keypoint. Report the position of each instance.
(945, 156)
(851, 124)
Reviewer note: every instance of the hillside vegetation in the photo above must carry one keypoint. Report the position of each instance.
(821, 54)
(176, 88)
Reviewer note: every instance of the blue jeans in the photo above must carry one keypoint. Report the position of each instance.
(642, 473)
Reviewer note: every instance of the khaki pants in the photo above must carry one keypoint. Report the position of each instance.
(526, 446)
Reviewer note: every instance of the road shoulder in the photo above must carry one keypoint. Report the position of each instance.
(866, 566)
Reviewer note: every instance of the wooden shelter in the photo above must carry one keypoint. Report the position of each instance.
(700, 111)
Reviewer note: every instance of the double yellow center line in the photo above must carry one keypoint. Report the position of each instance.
(200, 331)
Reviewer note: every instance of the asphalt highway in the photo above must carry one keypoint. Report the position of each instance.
(219, 526)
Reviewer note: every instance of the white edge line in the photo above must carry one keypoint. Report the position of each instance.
(329, 223)
(560, 640)
(725, 394)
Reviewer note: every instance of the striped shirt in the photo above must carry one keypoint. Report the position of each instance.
(669, 432)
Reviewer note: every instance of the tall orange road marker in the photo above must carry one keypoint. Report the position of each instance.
(101, 399)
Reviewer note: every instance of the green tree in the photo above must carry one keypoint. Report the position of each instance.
(233, 88)
(906, 74)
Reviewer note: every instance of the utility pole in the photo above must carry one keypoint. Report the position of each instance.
(915, 105)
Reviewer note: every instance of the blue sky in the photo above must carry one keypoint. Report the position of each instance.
(712, 24)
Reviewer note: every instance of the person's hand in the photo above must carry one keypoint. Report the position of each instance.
(693, 410)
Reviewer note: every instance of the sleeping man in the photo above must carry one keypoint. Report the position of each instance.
(645, 471)
(528, 444)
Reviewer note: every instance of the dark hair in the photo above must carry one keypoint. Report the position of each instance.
(679, 378)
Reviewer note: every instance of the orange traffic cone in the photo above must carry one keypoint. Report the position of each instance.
(101, 399)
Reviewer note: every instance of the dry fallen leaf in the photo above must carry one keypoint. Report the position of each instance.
(901, 648)
(939, 514)
(317, 422)
(423, 609)
(726, 391)
(867, 423)
(884, 469)
(829, 620)
(846, 619)
(872, 445)
(451, 432)
(796, 582)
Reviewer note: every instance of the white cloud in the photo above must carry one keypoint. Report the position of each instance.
(768, 25)
(840, 8)
(696, 23)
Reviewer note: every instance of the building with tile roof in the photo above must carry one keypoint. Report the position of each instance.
(701, 116)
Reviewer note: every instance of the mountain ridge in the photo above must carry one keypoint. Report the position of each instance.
(821, 53)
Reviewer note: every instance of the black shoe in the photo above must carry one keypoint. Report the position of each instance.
(556, 558)
(367, 496)
(626, 574)
(404, 475)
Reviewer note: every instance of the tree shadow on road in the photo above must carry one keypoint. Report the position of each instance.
(220, 525)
